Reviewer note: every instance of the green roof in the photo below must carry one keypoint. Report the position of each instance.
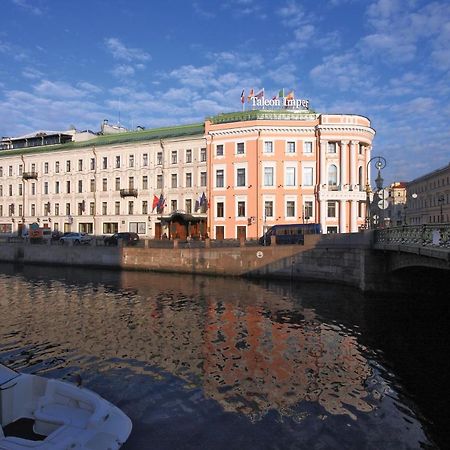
(263, 114)
(119, 138)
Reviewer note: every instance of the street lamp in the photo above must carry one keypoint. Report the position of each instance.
(380, 164)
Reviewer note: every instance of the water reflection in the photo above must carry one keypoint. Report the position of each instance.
(162, 347)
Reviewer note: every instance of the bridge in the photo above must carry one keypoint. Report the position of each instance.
(415, 246)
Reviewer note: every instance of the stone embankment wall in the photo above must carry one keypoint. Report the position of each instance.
(342, 258)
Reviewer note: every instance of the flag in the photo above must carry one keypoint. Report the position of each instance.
(290, 96)
(281, 93)
(250, 95)
(161, 204)
(155, 202)
(243, 96)
(260, 94)
(197, 205)
(203, 203)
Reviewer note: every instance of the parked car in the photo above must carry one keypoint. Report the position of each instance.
(127, 238)
(76, 238)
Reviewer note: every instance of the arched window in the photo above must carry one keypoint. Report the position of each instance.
(360, 177)
(332, 175)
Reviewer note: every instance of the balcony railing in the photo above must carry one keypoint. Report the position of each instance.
(30, 175)
(128, 193)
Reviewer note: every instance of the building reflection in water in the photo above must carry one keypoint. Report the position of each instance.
(246, 347)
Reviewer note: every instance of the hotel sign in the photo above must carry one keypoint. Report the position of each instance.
(294, 103)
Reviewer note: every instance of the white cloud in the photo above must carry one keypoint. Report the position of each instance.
(121, 52)
(57, 89)
(123, 71)
(29, 6)
(32, 73)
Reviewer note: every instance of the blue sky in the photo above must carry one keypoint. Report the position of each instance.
(172, 62)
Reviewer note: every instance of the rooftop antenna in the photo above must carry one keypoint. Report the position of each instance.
(119, 109)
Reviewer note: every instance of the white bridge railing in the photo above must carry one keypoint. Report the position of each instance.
(430, 235)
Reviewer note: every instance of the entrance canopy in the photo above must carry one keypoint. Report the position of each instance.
(181, 225)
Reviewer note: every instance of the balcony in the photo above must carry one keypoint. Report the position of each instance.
(30, 175)
(128, 193)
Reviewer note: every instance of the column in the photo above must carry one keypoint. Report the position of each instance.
(323, 168)
(344, 163)
(323, 214)
(353, 168)
(342, 216)
(354, 216)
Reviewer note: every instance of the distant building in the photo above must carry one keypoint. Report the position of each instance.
(396, 201)
(428, 198)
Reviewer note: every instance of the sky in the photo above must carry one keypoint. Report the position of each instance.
(157, 63)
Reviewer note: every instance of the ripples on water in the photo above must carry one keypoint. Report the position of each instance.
(212, 363)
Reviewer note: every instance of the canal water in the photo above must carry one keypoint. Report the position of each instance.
(211, 363)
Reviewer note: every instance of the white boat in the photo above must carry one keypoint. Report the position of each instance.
(37, 413)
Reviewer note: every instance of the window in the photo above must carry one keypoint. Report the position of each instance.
(307, 147)
(332, 175)
(118, 184)
(240, 149)
(68, 187)
(104, 208)
(331, 147)
(219, 178)
(45, 168)
(360, 177)
(308, 209)
(189, 180)
(105, 184)
(290, 176)
(105, 162)
(290, 148)
(159, 182)
(45, 188)
(20, 189)
(1, 190)
(159, 158)
(91, 208)
(57, 167)
(240, 177)
(219, 150)
(117, 208)
(92, 163)
(1, 171)
(241, 209)
(290, 208)
(173, 205)
(130, 207)
(268, 176)
(219, 209)
(21, 169)
(307, 176)
(110, 227)
(188, 156)
(145, 159)
(188, 205)
(268, 208)
(118, 162)
(56, 187)
(10, 171)
(145, 182)
(67, 209)
(130, 182)
(80, 208)
(56, 209)
(68, 166)
(131, 161)
(1, 210)
(144, 207)
(137, 227)
(202, 179)
(33, 188)
(203, 154)
(331, 209)
(174, 180)
(268, 147)
(33, 167)
(21, 211)
(174, 157)
(92, 187)
(10, 190)
(80, 165)
(80, 186)
(33, 209)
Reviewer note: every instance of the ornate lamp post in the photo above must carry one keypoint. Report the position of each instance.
(380, 164)
(441, 202)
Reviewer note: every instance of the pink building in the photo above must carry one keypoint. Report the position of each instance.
(286, 166)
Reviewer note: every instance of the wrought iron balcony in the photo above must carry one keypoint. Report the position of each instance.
(128, 193)
(30, 175)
